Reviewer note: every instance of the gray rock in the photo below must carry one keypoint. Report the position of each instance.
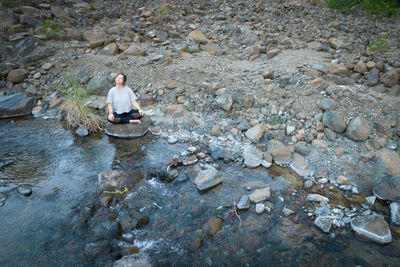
(273, 52)
(190, 160)
(288, 212)
(358, 129)
(82, 131)
(324, 223)
(330, 135)
(299, 165)
(135, 50)
(172, 140)
(267, 159)
(372, 77)
(388, 161)
(308, 184)
(280, 152)
(260, 208)
(290, 130)
(252, 157)
(15, 105)
(334, 121)
(255, 133)
(137, 260)
(95, 249)
(24, 190)
(244, 203)
(129, 130)
(111, 49)
(225, 102)
(17, 75)
(3, 198)
(131, 219)
(372, 227)
(319, 67)
(260, 195)
(390, 78)
(370, 200)
(317, 198)
(97, 102)
(99, 86)
(207, 179)
(387, 187)
(27, 45)
(95, 38)
(327, 104)
(394, 213)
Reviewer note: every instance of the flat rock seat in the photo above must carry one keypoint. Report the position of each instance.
(129, 130)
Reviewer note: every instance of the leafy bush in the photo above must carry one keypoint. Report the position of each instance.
(75, 110)
(379, 45)
(386, 8)
(163, 10)
(50, 29)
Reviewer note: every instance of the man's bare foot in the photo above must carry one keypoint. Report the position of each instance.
(135, 122)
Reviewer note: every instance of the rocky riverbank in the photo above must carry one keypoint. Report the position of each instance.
(256, 84)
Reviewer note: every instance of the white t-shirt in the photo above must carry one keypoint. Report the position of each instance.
(121, 99)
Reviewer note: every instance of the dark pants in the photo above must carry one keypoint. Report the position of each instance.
(126, 116)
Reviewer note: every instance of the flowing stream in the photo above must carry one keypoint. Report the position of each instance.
(61, 169)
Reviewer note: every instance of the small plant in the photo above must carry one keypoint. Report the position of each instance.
(76, 112)
(50, 29)
(163, 10)
(9, 4)
(379, 45)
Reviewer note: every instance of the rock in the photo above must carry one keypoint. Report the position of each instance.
(252, 157)
(225, 102)
(288, 212)
(81, 131)
(27, 45)
(273, 52)
(260, 195)
(99, 86)
(280, 152)
(145, 100)
(327, 104)
(390, 78)
(213, 226)
(317, 198)
(136, 260)
(96, 102)
(372, 227)
(117, 180)
(395, 90)
(342, 180)
(270, 74)
(387, 187)
(324, 223)
(47, 66)
(255, 133)
(172, 84)
(395, 213)
(371, 65)
(15, 105)
(207, 179)
(260, 208)
(172, 140)
(24, 190)
(290, 130)
(111, 49)
(308, 184)
(370, 200)
(129, 130)
(334, 121)
(267, 159)
(389, 161)
(215, 130)
(197, 37)
(331, 135)
(131, 219)
(17, 75)
(244, 203)
(300, 165)
(190, 160)
(134, 50)
(361, 67)
(372, 77)
(95, 38)
(335, 43)
(96, 249)
(358, 129)
(338, 69)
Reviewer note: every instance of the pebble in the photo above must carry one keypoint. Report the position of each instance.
(371, 200)
(323, 181)
(24, 190)
(308, 184)
(260, 208)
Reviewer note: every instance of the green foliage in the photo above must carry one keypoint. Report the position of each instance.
(382, 8)
(379, 45)
(76, 112)
(50, 29)
(163, 10)
(9, 4)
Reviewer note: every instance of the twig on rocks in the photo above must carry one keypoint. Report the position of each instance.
(233, 212)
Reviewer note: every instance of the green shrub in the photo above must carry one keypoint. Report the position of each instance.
(75, 110)
(9, 4)
(163, 10)
(50, 29)
(382, 8)
(379, 45)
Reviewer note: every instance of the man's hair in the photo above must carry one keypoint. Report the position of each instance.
(124, 77)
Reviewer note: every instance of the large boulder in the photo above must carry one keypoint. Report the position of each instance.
(129, 130)
(99, 85)
(15, 105)
(387, 187)
(17, 75)
(372, 227)
(389, 161)
(334, 121)
(358, 129)
(95, 38)
(134, 50)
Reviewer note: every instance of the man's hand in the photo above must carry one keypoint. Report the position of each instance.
(111, 117)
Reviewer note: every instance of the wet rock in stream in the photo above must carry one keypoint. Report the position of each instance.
(24, 190)
(372, 227)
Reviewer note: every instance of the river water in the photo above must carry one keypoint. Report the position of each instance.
(62, 169)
